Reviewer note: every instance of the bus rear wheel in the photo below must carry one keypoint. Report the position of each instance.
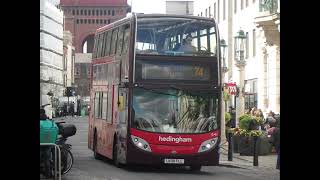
(195, 168)
(96, 155)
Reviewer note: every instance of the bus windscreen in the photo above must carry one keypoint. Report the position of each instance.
(176, 37)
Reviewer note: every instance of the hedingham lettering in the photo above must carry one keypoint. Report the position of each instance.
(176, 140)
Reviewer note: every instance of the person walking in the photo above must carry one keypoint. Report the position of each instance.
(275, 140)
(71, 110)
(65, 109)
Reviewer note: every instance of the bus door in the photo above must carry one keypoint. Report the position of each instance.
(122, 125)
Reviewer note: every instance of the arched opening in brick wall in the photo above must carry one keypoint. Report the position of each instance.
(87, 44)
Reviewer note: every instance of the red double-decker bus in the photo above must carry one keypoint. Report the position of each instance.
(156, 91)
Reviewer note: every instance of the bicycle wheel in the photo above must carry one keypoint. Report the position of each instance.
(67, 161)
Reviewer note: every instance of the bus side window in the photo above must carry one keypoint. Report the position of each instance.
(126, 40)
(120, 40)
(103, 44)
(100, 45)
(104, 105)
(114, 41)
(108, 43)
(95, 46)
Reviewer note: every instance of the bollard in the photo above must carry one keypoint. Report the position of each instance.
(230, 146)
(255, 151)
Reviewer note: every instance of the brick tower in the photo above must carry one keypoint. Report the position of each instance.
(83, 17)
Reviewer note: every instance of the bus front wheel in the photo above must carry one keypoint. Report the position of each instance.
(95, 153)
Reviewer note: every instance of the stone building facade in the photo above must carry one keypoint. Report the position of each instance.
(260, 20)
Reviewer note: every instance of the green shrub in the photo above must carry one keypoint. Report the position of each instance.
(245, 121)
(227, 116)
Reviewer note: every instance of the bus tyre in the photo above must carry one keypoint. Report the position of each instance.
(115, 154)
(195, 168)
(95, 154)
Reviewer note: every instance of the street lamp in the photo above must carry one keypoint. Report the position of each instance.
(223, 55)
(240, 41)
(224, 69)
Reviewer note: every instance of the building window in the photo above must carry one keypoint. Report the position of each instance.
(89, 12)
(77, 21)
(81, 12)
(254, 43)
(85, 12)
(77, 71)
(105, 21)
(247, 3)
(224, 9)
(214, 11)
(73, 12)
(81, 21)
(97, 21)
(85, 21)
(218, 10)
(97, 12)
(247, 45)
(112, 12)
(89, 21)
(235, 6)
(109, 12)
(93, 12)
(101, 12)
(109, 21)
(77, 11)
(251, 95)
(88, 70)
(105, 12)
(101, 21)
(210, 12)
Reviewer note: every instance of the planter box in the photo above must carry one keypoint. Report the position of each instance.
(235, 145)
(245, 146)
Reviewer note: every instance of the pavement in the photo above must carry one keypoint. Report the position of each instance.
(265, 163)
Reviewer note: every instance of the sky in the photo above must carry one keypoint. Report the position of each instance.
(148, 6)
(151, 6)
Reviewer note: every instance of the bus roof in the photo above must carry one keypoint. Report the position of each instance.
(141, 15)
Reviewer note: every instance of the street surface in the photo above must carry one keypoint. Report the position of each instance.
(85, 167)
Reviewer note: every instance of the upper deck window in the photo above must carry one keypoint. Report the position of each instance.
(176, 36)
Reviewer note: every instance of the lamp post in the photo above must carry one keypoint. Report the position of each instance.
(224, 69)
(240, 40)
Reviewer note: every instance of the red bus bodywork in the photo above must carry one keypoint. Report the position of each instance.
(113, 133)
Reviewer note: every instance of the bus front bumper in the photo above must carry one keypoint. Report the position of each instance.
(137, 156)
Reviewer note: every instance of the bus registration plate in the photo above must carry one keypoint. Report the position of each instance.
(174, 161)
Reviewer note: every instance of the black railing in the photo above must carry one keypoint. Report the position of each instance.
(268, 5)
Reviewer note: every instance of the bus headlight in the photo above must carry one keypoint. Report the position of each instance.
(141, 143)
(208, 144)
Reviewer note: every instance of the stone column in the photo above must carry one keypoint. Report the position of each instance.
(240, 99)
(262, 55)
